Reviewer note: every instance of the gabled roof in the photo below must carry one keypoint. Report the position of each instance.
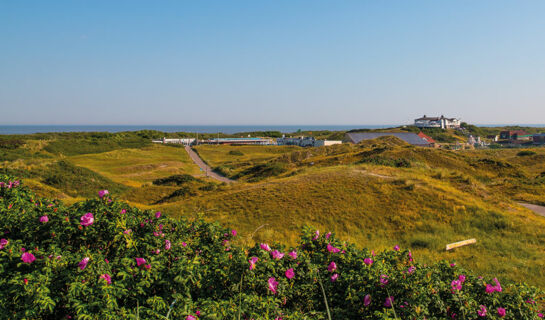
(429, 118)
(435, 118)
(426, 137)
(409, 137)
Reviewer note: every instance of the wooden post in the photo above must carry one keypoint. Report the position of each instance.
(460, 244)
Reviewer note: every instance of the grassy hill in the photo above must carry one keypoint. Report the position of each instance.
(376, 194)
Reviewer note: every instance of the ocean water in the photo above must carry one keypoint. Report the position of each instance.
(27, 129)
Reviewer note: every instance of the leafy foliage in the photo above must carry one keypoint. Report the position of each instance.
(193, 268)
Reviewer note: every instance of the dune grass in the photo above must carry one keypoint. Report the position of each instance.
(378, 209)
(376, 194)
(135, 167)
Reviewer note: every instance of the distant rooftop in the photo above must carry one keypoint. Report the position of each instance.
(409, 137)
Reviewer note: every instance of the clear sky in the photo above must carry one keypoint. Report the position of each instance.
(271, 62)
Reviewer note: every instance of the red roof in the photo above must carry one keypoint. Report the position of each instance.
(426, 137)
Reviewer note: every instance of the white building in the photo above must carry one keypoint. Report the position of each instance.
(305, 142)
(437, 122)
(184, 141)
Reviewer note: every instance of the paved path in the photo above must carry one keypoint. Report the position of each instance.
(535, 208)
(209, 173)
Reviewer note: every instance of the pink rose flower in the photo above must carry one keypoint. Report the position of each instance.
(3, 243)
(334, 277)
(368, 261)
(27, 257)
(332, 266)
(167, 244)
(87, 219)
(265, 247)
(383, 280)
(83, 263)
(158, 214)
(389, 302)
(234, 233)
(273, 284)
(123, 211)
(190, 318)
(102, 193)
(277, 255)
(396, 248)
(252, 262)
(332, 249)
(140, 261)
(367, 300)
(316, 235)
(482, 311)
(293, 254)
(456, 285)
(501, 312)
(107, 278)
(290, 273)
(44, 219)
(328, 235)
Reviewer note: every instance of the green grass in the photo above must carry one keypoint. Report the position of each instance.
(135, 167)
(377, 194)
(231, 161)
(378, 208)
(78, 181)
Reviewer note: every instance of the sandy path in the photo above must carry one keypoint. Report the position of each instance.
(535, 208)
(209, 173)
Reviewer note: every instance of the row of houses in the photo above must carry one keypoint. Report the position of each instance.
(519, 137)
(352, 137)
(238, 141)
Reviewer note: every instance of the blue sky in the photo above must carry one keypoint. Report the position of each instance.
(271, 62)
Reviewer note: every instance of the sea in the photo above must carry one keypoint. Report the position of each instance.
(227, 129)
(230, 129)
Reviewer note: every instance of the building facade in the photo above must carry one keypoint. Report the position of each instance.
(437, 122)
(305, 142)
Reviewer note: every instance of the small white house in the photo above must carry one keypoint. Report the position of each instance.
(437, 122)
(184, 141)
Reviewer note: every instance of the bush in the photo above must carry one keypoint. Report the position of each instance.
(526, 153)
(126, 263)
(235, 153)
(175, 180)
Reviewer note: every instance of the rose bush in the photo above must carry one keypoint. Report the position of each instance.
(102, 259)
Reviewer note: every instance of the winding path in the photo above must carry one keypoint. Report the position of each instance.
(540, 210)
(206, 168)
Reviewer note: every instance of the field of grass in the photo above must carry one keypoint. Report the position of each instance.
(376, 194)
(231, 160)
(135, 167)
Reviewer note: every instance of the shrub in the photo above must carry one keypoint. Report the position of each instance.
(235, 153)
(175, 180)
(526, 153)
(101, 259)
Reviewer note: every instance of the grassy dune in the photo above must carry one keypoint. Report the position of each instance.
(135, 167)
(381, 208)
(376, 194)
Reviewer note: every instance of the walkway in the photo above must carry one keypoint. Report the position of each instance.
(204, 167)
(540, 210)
